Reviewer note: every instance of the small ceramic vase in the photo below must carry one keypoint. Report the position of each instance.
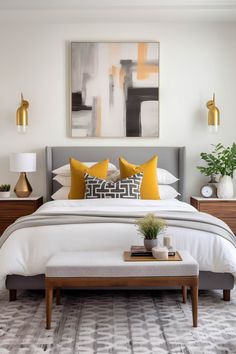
(149, 244)
(225, 188)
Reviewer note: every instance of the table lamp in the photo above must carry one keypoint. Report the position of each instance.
(23, 162)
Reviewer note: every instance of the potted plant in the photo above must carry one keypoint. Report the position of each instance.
(5, 190)
(150, 227)
(222, 160)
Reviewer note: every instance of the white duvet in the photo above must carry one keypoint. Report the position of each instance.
(27, 251)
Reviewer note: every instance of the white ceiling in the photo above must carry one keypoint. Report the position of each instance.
(116, 10)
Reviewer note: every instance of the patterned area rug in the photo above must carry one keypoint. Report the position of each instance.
(118, 322)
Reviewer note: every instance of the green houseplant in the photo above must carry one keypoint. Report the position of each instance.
(222, 161)
(150, 227)
(5, 190)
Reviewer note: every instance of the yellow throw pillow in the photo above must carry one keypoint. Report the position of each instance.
(78, 169)
(149, 187)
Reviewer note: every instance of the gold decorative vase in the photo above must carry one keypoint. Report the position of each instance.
(23, 188)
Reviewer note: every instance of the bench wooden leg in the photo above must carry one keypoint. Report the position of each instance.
(58, 297)
(226, 295)
(49, 297)
(12, 295)
(184, 294)
(194, 291)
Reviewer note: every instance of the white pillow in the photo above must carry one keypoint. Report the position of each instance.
(61, 194)
(113, 175)
(167, 192)
(65, 181)
(165, 177)
(65, 169)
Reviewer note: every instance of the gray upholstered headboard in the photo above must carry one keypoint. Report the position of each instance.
(170, 158)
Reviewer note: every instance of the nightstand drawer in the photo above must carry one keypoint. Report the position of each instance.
(224, 209)
(15, 205)
(231, 222)
(219, 209)
(15, 212)
(4, 224)
(14, 208)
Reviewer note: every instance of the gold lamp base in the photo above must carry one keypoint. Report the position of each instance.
(23, 188)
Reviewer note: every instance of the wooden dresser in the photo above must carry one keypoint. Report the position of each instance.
(224, 209)
(13, 208)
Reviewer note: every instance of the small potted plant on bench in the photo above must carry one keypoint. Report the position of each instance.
(150, 227)
(5, 190)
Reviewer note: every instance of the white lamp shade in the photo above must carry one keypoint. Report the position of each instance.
(23, 162)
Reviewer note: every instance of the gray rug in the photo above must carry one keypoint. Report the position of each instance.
(118, 322)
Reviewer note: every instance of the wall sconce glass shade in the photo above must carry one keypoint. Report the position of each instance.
(22, 116)
(213, 116)
(23, 162)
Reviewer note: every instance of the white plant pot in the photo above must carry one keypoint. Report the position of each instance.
(225, 188)
(5, 194)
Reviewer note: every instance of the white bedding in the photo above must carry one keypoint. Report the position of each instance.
(27, 251)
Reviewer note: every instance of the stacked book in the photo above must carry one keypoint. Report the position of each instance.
(138, 251)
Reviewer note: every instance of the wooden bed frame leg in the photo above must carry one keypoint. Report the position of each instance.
(58, 297)
(226, 294)
(12, 295)
(184, 294)
(49, 298)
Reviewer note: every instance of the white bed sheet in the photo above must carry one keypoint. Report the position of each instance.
(27, 251)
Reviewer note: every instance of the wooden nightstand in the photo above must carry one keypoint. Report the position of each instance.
(13, 208)
(224, 209)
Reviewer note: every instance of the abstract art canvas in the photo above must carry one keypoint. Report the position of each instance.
(115, 89)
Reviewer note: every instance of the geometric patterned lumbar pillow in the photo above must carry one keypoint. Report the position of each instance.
(128, 188)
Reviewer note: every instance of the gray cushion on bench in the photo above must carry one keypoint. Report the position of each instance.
(111, 264)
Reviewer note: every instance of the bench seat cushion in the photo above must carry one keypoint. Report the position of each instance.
(111, 264)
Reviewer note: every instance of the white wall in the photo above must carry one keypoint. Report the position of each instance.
(196, 59)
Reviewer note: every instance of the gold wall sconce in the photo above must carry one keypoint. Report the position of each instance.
(213, 116)
(22, 116)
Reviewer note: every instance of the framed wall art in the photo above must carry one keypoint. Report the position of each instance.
(114, 89)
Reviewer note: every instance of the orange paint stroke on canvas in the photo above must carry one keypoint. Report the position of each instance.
(121, 78)
(143, 68)
(113, 70)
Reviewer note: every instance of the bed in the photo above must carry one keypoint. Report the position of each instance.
(32, 247)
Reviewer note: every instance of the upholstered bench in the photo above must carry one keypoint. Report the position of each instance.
(108, 269)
